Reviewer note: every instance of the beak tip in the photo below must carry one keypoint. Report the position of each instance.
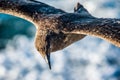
(49, 64)
(47, 60)
(50, 67)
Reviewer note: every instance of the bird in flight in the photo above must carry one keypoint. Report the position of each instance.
(57, 29)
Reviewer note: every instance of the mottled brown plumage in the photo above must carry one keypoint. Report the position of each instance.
(57, 29)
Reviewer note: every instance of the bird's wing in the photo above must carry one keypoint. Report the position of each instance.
(107, 29)
(27, 9)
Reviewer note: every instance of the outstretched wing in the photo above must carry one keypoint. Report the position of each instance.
(104, 28)
(27, 9)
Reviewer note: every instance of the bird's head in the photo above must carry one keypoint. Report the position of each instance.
(47, 42)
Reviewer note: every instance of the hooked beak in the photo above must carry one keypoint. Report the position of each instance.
(47, 59)
(47, 49)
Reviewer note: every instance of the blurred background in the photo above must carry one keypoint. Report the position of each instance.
(88, 59)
